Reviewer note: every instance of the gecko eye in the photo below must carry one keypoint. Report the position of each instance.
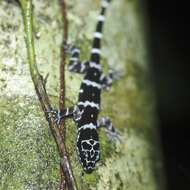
(96, 146)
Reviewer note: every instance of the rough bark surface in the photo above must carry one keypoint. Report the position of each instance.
(28, 154)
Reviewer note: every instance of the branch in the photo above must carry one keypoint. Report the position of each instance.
(39, 84)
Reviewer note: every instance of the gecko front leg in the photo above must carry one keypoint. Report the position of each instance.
(70, 112)
(109, 128)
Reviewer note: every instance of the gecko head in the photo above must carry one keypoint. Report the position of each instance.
(88, 148)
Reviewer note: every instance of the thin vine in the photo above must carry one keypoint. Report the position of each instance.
(39, 84)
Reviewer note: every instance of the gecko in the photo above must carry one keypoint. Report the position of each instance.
(85, 113)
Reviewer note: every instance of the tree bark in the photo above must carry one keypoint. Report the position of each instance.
(28, 154)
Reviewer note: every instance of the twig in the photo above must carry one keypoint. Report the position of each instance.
(62, 81)
(62, 84)
(62, 62)
(39, 84)
(62, 185)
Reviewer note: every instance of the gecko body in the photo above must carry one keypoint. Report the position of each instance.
(85, 113)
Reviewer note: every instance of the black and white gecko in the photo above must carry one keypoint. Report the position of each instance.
(85, 113)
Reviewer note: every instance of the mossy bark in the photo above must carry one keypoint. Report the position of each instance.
(28, 153)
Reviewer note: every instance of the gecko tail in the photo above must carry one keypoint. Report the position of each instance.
(96, 45)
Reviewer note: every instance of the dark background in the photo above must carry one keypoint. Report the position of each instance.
(169, 49)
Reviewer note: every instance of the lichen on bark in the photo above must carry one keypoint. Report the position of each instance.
(28, 154)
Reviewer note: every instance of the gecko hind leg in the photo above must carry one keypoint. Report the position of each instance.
(107, 80)
(75, 64)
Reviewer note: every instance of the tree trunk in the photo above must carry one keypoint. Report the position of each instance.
(28, 153)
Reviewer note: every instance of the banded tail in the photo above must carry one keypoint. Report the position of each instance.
(96, 45)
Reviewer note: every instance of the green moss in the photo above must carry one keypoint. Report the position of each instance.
(29, 158)
(28, 152)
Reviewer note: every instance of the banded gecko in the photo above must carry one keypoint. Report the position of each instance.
(85, 113)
